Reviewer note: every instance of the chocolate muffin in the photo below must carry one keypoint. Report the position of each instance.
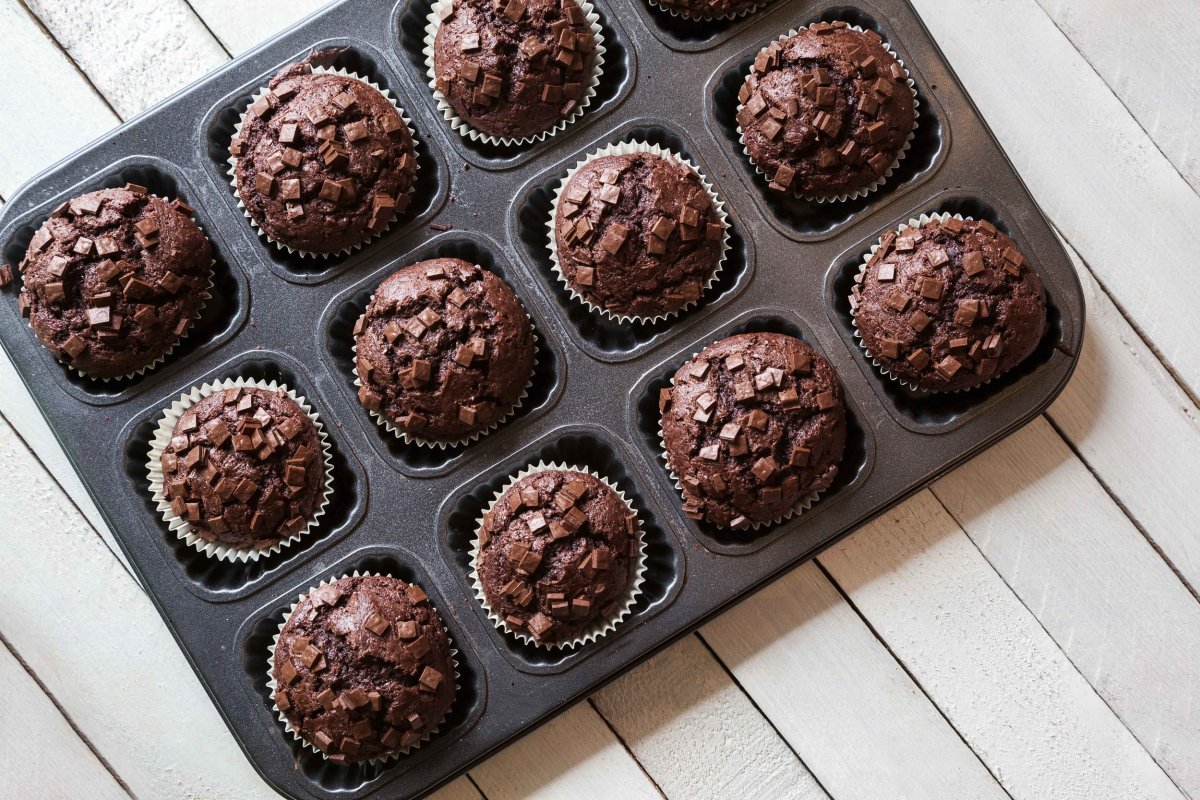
(514, 68)
(323, 162)
(752, 425)
(363, 668)
(444, 350)
(711, 9)
(244, 468)
(637, 234)
(558, 552)
(113, 279)
(949, 305)
(826, 112)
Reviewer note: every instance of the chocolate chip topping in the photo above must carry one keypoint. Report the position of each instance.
(950, 305)
(444, 349)
(825, 112)
(712, 9)
(637, 234)
(113, 279)
(752, 424)
(514, 68)
(323, 161)
(559, 551)
(244, 468)
(363, 668)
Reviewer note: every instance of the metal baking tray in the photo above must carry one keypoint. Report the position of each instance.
(410, 511)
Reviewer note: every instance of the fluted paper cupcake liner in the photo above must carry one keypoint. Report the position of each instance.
(162, 437)
(408, 438)
(233, 160)
(917, 223)
(630, 148)
(205, 296)
(599, 628)
(683, 13)
(882, 179)
(272, 685)
(464, 129)
(802, 504)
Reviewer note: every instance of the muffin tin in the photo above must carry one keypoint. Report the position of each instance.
(410, 511)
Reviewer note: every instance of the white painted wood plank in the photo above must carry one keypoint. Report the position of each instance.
(573, 755)
(1130, 45)
(42, 756)
(843, 703)
(136, 52)
(40, 91)
(458, 789)
(987, 663)
(96, 642)
(1093, 582)
(697, 733)
(1132, 424)
(1096, 173)
(227, 19)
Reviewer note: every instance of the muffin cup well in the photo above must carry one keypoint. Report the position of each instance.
(694, 17)
(600, 627)
(408, 438)
(630, 148)
(464, 129)
(205, 296)
(802, 504)
(919, 222)
(233, 160)
(882, 179)
(162, 437)
(272, 685)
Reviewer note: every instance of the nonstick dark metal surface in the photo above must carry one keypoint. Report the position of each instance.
(410, 511)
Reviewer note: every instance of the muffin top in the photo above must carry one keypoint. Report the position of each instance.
(637, 234)
(558, 552)
(514, 68)
(950, 305)
(825, 112)
(244, 468)
(711, 9)
(324, 162)
(363, 668)
(114, 278)
(751, 425)
(444, 350)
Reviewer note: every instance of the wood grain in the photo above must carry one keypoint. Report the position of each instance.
(983, 658)
(228, 20)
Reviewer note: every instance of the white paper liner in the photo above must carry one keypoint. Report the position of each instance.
(887, 173)
(802, 504)
(683, 13)
(232, 171)
(600, 627)
(205, 296)
(408, 438)
(919, 222)
(464, 129)
(287, 724)
(630, 148)
(162, 437)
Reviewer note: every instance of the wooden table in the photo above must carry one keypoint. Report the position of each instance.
(1028, 628)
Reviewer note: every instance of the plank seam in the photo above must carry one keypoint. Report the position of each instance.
(1116, 95)
(761, 713)
(210, 31)
(66, 717)
(66, 54)
(471, 780)
(50, 474)
(1056, 644)
(911, 676)
(625, 745)
(1121, 505)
